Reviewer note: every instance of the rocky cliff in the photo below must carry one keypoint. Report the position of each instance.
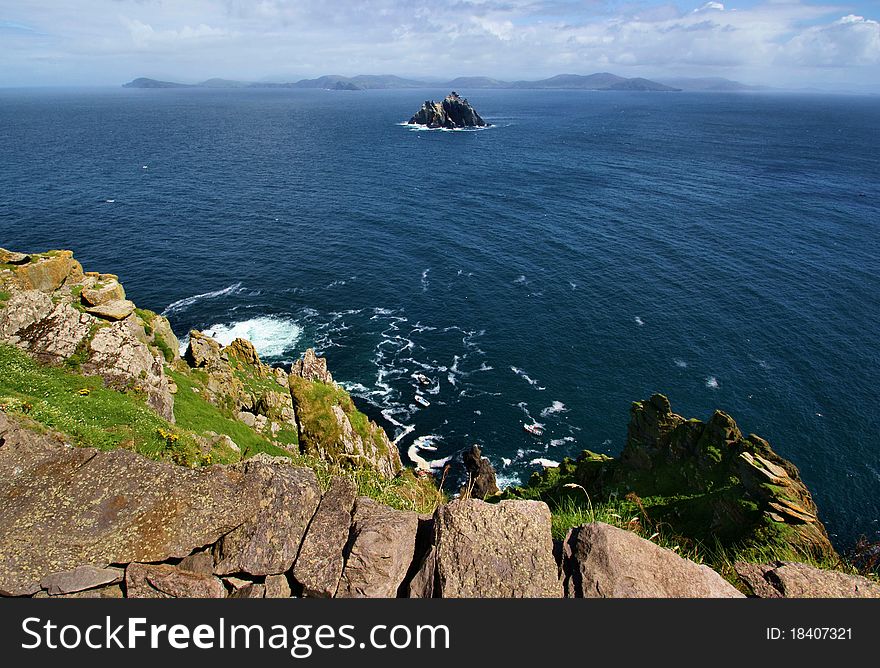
(82, 322)
(453, 112)
(213, 474)
(705, 482)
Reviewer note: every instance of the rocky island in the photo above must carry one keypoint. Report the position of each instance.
(130, 470)
(453, 112)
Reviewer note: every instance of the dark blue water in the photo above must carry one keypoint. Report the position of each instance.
(588, 250)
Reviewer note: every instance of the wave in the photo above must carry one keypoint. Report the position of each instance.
(522, 374)
(272, 336)
(556, 407)
(556, 442)
(639, 321)
(681, 364)
(415, 127)
(712, 383)
(546, 463)
(420, 462)
(425, 279)
(186, 302)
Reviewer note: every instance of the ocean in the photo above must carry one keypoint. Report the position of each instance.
(585, 251)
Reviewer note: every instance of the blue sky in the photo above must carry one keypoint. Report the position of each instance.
(790, 43)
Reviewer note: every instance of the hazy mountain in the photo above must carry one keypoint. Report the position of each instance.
(598, 81)
(143, 82)
(717, 84)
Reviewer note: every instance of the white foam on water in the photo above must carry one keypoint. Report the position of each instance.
(556, 442)
(506, 461)
(546, 463)
(425, 279)
(521, 280)
(507, 480)
(556, 407)
(186, 302)
(639, 321)
(420, 462)
(681, 364)
(573, 285)
(712, 383)
(272, 336)
(522, 374)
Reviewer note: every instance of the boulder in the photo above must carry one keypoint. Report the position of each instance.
(267, 543)
(103, 293)
(795, 580)
(602, 561)
(118, 309)
(80, 578)
(481, 481)
(63, 507)
(165, 581)
(482, 550)
(49, 272)
(250, 590)
(320, 561)
(380, 550)
(244, 351)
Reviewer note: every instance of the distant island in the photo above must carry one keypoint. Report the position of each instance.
(603, 81)
(453, 112)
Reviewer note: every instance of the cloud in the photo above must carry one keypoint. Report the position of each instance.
(110, 40)
(851, 40)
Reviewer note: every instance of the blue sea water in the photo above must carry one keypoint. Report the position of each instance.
(587, 250)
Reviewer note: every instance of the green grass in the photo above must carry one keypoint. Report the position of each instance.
(192, 411)
(80, 407)
(4, 297)
(59, 400)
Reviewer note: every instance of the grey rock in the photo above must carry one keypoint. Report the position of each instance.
(320, 561)
(111, 291)
(117, 355)
(381, 549)
(311, 367)
(482, 550)
(602, 561)
(118, 309)
(268, 543)
(80, 578)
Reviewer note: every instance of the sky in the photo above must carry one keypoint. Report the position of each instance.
(783, 43)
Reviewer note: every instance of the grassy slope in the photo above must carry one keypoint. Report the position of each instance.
(89, 415)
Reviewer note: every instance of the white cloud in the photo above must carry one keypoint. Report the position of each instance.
(851, 40)
(772, 41)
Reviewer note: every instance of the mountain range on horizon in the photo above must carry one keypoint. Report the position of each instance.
(598, 81)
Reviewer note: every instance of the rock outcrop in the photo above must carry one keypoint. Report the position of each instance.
(700, 480)
(793, 580)
(330, 426)
(481, 482)
(602, 561)
(482, 550)
(453, 112)
(61, 315)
